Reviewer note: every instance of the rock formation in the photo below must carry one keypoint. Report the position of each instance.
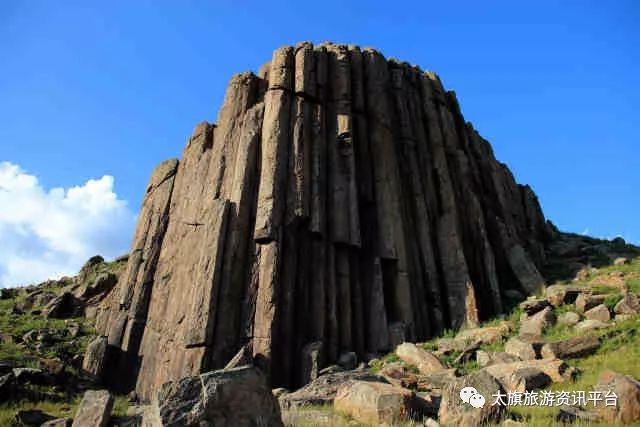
(338, 193)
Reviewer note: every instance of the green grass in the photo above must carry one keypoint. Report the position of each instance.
(64, 409)
(619, 352)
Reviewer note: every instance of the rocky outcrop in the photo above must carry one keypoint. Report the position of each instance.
(341, 198)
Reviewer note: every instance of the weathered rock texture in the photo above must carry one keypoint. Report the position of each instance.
(338, 193)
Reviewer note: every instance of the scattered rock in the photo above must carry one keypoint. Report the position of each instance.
(238, 396)
(454, 412)
(486, 335)
(322, 390)
(627, 390)
(599, 312)
(586, 302)
(590, 325)
(103, 283)
(534, 305)
(523, 349)
(571, 348)
(64, 306)
(375, 403)
(526, 379)
(426, 362)
(485, 358)
(569, 318)
(629, 304)
(571, 414)
(437, 380)
(556, 369)
(94, 410)
(532, 327)
(558, 295)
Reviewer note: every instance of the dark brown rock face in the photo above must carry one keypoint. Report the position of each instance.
(339, 193)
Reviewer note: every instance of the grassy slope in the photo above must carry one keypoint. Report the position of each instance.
(21, 355)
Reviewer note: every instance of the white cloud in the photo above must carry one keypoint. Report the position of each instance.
(49, 234)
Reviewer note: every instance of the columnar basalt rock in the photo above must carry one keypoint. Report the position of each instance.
(338, 194)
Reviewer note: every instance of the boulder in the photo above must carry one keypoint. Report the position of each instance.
(526, 379)
(323, 389)
(572, 414)
(586, 302)
(37, 298)
(238, 396)
(436, 380)
(599, 312)
(569, 318)
(558, 295)
(534, 305)
(401, 376)
(620, 261)
(571, 348)
(375, 403)
(95, 358)
(523, 349)
(454, 412)
(485, 358)
(103, 283)
(426, 362)
(590, 325)
(94, 410)
(485, 335)
(532, 327)
(627, 391)
(64, 306)
(629, 304)
(555, 369)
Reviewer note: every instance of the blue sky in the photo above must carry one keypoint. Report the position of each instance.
(94, 94)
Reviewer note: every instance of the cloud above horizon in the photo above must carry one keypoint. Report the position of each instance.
(46, 234)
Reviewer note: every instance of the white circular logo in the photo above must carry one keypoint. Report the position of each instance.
(466, 393)
(477, 401)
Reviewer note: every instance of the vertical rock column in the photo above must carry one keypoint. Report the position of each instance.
(271, 202)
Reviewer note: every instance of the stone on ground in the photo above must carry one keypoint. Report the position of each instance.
(94, 410)
(425, 361)
(627, 390)
(375, 403)
(454, 412)
(599, 312)
(571, 348)
(238, 396)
